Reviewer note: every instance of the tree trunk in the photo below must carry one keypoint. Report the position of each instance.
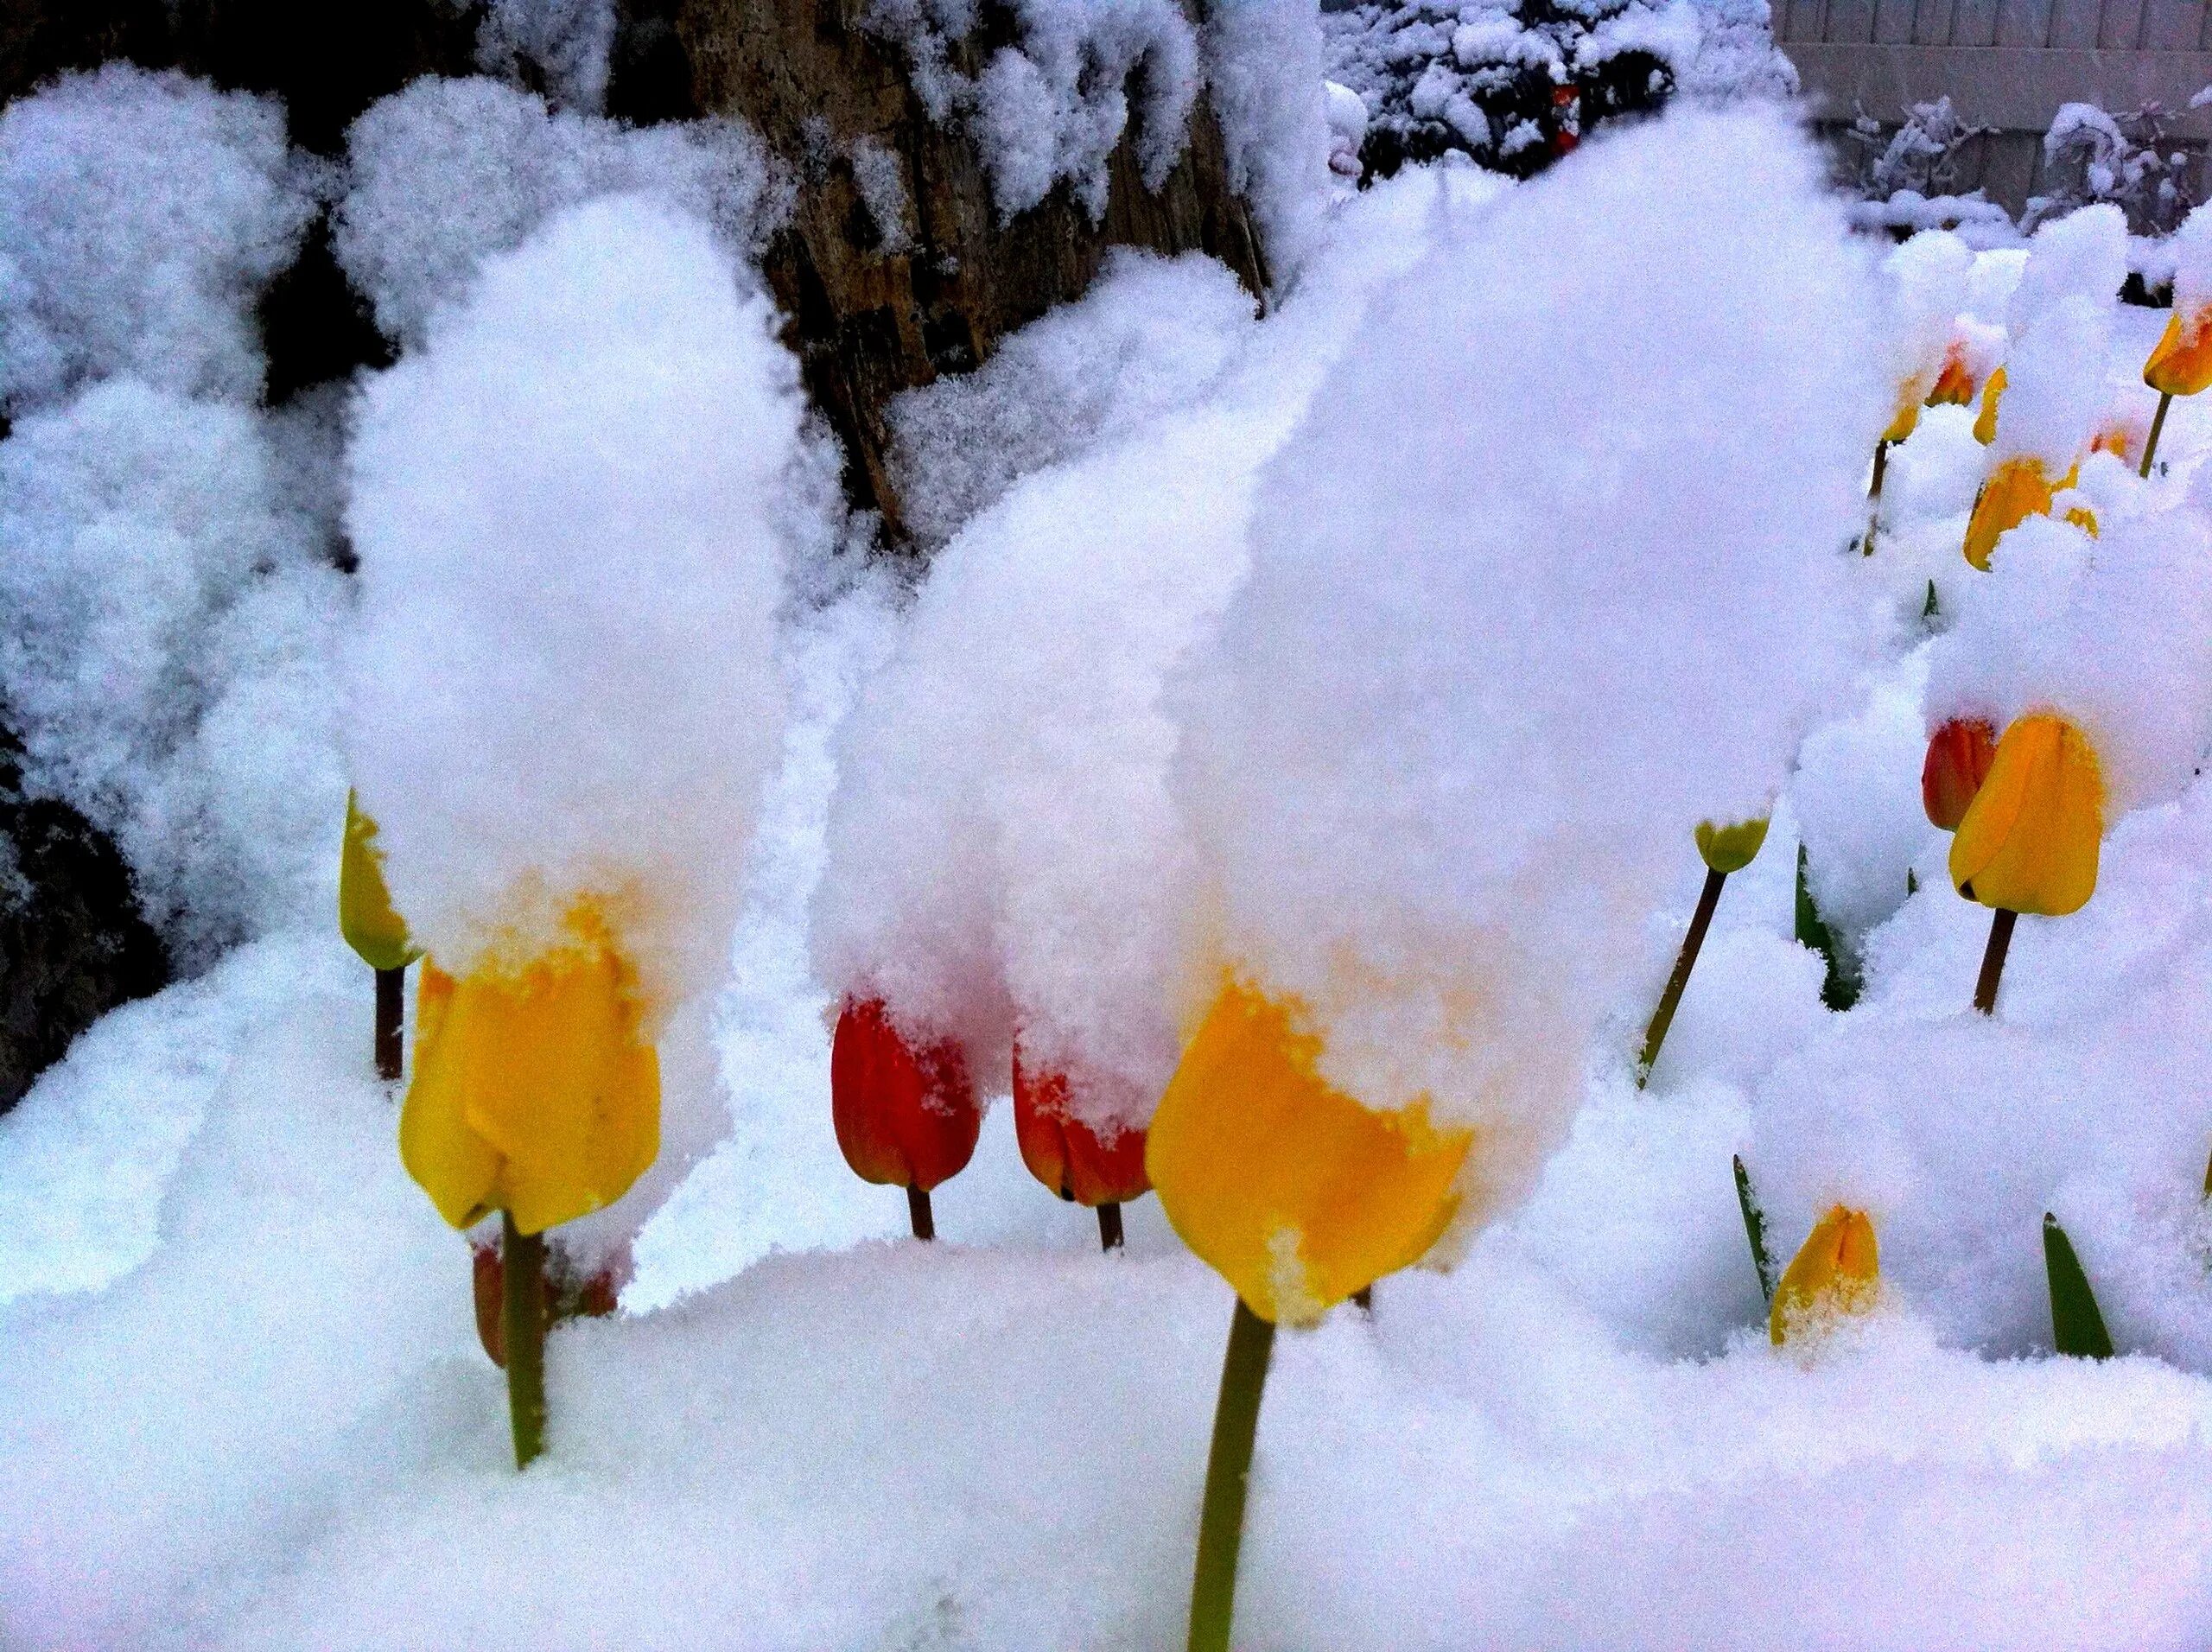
(870, 320)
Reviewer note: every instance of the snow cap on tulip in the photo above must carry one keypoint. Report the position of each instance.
(2030, 840)
(1836, 1273)
(1928, 285)
(1295, 1193)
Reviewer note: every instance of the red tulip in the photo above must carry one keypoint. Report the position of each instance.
(1066, 1154)
(1959, 756)
(904, 1117)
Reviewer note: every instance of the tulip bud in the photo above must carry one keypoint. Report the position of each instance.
(1291, 1191)
(1837, 1272)
(2180, 362)
(1984, 423)
(905, 1116)
(1727, 850)
(1959, 756)
(1955, 383)
(1066, 1153)
(534, 1090)
(1907, 416)
(2016, 490)
(2029, 842)
(365, 917)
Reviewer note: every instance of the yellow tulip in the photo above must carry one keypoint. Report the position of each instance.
(1293, 1192)
(365, 917)
(1955, 383)
(2016, 490)
(2030, 840)
(1907, 416)
(1727, 850)
(2181, 363)
(1838, 1271)
(534, 1092)
(1984, 423)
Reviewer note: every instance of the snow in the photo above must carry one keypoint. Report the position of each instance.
(566, 43)
(447, 172)
(140, 216)
(1422, 619)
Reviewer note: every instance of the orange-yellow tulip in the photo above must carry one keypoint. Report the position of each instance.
(2180, 362)
(1296, 1193)
(1837, 1272)
(1984, 423)
(1955, 385)
(534, 1092)
(2016, 490)
(2029, 842)
(1906, 419)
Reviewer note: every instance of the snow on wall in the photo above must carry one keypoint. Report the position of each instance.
(447, 173)
(1528, 604)
(140, 216)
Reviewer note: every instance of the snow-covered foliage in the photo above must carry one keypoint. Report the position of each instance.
(568, 507)
(140, 216)
(2127, 160)
(1518, 83)
(447, 173)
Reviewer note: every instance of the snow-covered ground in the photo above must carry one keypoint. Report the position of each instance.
(242, 1403)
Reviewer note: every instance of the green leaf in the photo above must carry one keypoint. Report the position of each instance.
(1841, 987)
(1755, 1229)
(2076, 1327)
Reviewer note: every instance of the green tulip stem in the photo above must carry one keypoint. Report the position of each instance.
(1663, 1018)
(1992, 960)
(1874, 496)
(1109, 1226)
(522, 1322)
(2158, 424)
(918, 1213)
(392, 1015)
(1229, 1468)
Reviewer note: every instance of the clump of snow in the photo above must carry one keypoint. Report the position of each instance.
(2191, 248)
(1856, 797)
(562, 44)
(140, 216)
(882, 187)
(1528, 602)
(1052, 106)
(165, 619)
(2082, 256)
(447, 173)
(1150, 335)
(2055, 397)
(1928, 276)
(562, 677)
(1263, 68)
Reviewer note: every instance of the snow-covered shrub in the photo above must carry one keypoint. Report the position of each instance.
(1518, 83)
(1920, 157)
(140, 216)
(2127, 160)
(447, 172)
(1549, 576)
(164, 622)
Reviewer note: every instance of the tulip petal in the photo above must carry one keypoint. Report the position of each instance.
(447, 1159)
(1292, 1190)
(365, 915)
(2031, 838)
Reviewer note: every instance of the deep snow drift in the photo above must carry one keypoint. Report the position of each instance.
(1610, 442)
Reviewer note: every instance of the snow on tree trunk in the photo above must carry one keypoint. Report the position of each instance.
(897, 264)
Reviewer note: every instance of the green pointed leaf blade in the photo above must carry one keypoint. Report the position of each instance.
(1755, 1229)
(2076, 1326)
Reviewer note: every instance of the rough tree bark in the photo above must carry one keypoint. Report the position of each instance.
(868, 320)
